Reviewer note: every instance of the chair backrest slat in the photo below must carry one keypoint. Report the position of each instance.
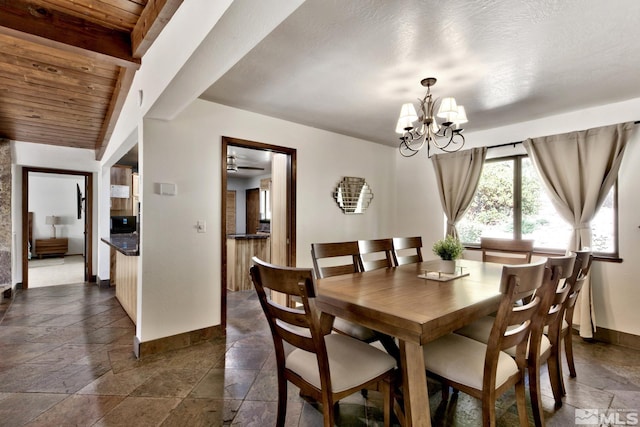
(401, 245)
(339, 253)
(375, 254)
(506, 251)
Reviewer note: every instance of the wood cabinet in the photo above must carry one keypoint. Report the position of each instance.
(122, 175)
(240, 249)
(52, 246)
(126, 281)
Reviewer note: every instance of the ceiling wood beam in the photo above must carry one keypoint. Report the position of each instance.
(153, 19)
(59, 31)
(123, 84)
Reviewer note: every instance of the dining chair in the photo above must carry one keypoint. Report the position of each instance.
(338, 253)
(401, 247)
(486, 371)
(506, 251)
(326, 367)
(576, 281)
(344, 258)
(542, 348)
(375, 254)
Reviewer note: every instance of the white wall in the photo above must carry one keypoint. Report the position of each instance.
(180, 281)
(53, 194)
(615, 290)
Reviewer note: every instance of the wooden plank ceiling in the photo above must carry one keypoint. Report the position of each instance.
(66, 66)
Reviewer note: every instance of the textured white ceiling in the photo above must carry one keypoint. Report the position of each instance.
(347, 66)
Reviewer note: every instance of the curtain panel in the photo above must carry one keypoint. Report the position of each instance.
(457, 175)
(578, 169)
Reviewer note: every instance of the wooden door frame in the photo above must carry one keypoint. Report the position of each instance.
(88, 223)
(291, 207)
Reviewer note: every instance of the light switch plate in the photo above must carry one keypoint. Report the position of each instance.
(166, 188)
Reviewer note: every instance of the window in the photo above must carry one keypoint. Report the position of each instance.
(511, 202)
(265, 206)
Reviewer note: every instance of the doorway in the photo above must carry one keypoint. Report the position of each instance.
(45, 234)
(282, 205)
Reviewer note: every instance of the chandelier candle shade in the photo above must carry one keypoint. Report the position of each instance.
(447, 136)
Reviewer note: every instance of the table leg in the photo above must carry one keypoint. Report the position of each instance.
(414, 380)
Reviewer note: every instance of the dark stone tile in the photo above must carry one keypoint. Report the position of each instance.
(67, 354)
(203, 412)
(77, 410)
(245, 358)
(104, 335)
(68, 379)
(258, 414)
(19, 378)
(225, 384)
(170, 383)
(139, 412)
(17, 409)
(13, 354)
(626, 400)
(111, 384)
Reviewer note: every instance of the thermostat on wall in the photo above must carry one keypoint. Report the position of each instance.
(165, 188)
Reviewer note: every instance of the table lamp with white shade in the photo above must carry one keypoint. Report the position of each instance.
(52, 221)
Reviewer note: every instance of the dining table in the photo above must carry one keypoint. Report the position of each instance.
(416, 305)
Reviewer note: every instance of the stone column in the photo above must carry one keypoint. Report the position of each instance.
(5, 214)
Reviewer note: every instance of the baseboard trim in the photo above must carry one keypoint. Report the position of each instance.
(623, 339)
(175, 342)
(102, 283)
(7, 291)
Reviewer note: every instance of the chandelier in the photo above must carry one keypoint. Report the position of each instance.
(447, 136)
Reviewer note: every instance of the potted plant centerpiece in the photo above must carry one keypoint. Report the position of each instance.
(449, 250)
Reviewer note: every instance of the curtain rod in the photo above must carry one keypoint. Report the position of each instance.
(520, 142)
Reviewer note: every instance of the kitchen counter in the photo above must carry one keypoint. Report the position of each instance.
(123, 271)
(240, 249)
(247, 236)
(126, 244)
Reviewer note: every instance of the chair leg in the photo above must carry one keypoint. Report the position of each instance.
(386, 389)
(555, 377)
(534, 392)
(445, 392)
(568, 351)
(328, 411)
(489, 409)
(282, 401)
(520, 403)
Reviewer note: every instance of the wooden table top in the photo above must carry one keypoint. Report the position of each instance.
(399, 303)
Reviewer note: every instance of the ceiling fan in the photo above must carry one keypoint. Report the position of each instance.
(232, 165)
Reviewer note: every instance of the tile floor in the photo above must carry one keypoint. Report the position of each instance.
(66, 360)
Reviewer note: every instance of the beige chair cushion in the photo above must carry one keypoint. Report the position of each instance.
(461, 359)
(353, 329)
(480, 330)
(351, 363)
